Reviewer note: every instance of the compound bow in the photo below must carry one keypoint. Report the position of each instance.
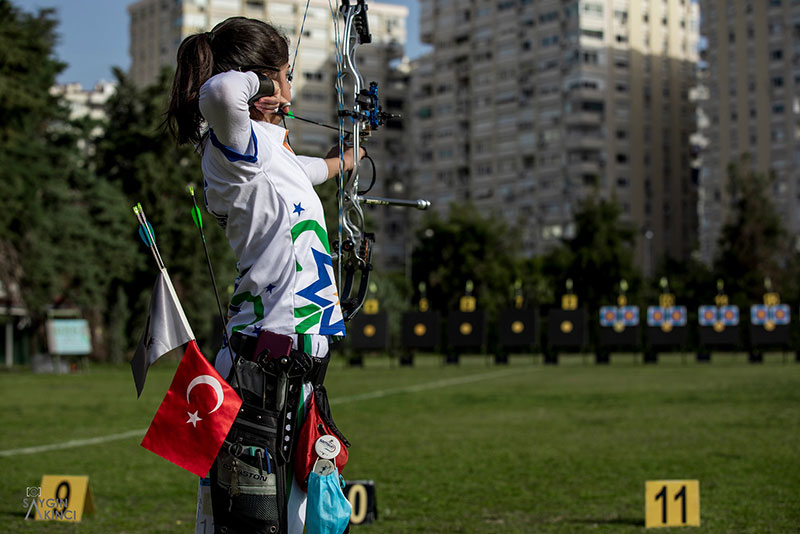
(353, 248)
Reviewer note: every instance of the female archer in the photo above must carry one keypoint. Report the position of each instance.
(230, 88)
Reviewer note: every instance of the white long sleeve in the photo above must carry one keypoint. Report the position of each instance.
(316, 169)
(223, 104)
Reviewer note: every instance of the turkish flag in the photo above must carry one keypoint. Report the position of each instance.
(195, 415)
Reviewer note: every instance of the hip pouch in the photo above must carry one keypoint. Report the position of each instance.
(319, 438)
(249, 476)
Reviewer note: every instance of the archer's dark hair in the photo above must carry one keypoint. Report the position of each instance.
(233, 43)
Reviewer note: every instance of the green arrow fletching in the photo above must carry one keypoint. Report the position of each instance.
(197, 217)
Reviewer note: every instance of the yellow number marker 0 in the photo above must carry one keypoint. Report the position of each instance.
(358, 498)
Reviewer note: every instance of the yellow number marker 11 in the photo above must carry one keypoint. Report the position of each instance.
(671, 503)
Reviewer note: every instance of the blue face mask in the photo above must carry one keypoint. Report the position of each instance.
(327, 511)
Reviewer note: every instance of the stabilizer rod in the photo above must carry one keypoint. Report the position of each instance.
(420, 204)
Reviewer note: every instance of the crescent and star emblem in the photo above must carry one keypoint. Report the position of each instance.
(208, 380)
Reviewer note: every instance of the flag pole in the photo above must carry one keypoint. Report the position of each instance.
(197, 217)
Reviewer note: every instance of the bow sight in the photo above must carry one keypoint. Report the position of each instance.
(371, 115)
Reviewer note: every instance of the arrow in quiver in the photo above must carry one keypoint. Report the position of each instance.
(666, 326)
(518, 329)
(566, 329)
(369, 332)
(769, 325)
(719, 326)
(619, 326)
(421, 330)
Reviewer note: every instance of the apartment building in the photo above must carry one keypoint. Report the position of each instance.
(157, 28)
(87, 104)
(753, 59)
(526, 107)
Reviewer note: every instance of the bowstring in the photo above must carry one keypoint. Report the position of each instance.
(299, 37)
(339, 58)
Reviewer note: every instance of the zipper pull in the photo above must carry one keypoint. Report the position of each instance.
(234, 489)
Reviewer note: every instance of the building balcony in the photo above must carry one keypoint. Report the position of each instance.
(586, 142)
(584, 117)
(586, 93)
(580, 168)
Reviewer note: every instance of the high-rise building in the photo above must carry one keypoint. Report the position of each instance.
(753, 58)
(157, 28)
(524, 108)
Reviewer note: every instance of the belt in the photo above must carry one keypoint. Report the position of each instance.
(244, 346)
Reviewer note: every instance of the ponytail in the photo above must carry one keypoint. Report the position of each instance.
(233, 44)
(195, 66)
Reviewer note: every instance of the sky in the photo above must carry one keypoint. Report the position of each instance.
(93, 35)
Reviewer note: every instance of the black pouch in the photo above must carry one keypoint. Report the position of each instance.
(248, 482)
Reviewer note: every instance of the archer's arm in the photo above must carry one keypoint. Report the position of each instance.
(223, 104)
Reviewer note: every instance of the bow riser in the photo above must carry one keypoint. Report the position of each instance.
(352, 252)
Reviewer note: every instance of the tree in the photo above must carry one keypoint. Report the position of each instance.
(597, 257)
(137, 156)
(465, 247)
(61, 224)
(753, 244)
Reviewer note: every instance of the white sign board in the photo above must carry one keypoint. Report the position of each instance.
(69, 336)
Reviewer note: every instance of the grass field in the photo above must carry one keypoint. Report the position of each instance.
(474, 448)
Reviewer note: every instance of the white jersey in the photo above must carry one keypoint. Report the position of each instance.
(262, 193)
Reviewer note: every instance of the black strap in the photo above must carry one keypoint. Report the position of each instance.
(318, 369)
(243, 345)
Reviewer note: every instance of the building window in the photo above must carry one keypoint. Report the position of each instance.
(549, 40)
(550, 16)
(592, 8)
(591, 58)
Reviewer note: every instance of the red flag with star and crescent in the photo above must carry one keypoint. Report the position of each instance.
(195, 415)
